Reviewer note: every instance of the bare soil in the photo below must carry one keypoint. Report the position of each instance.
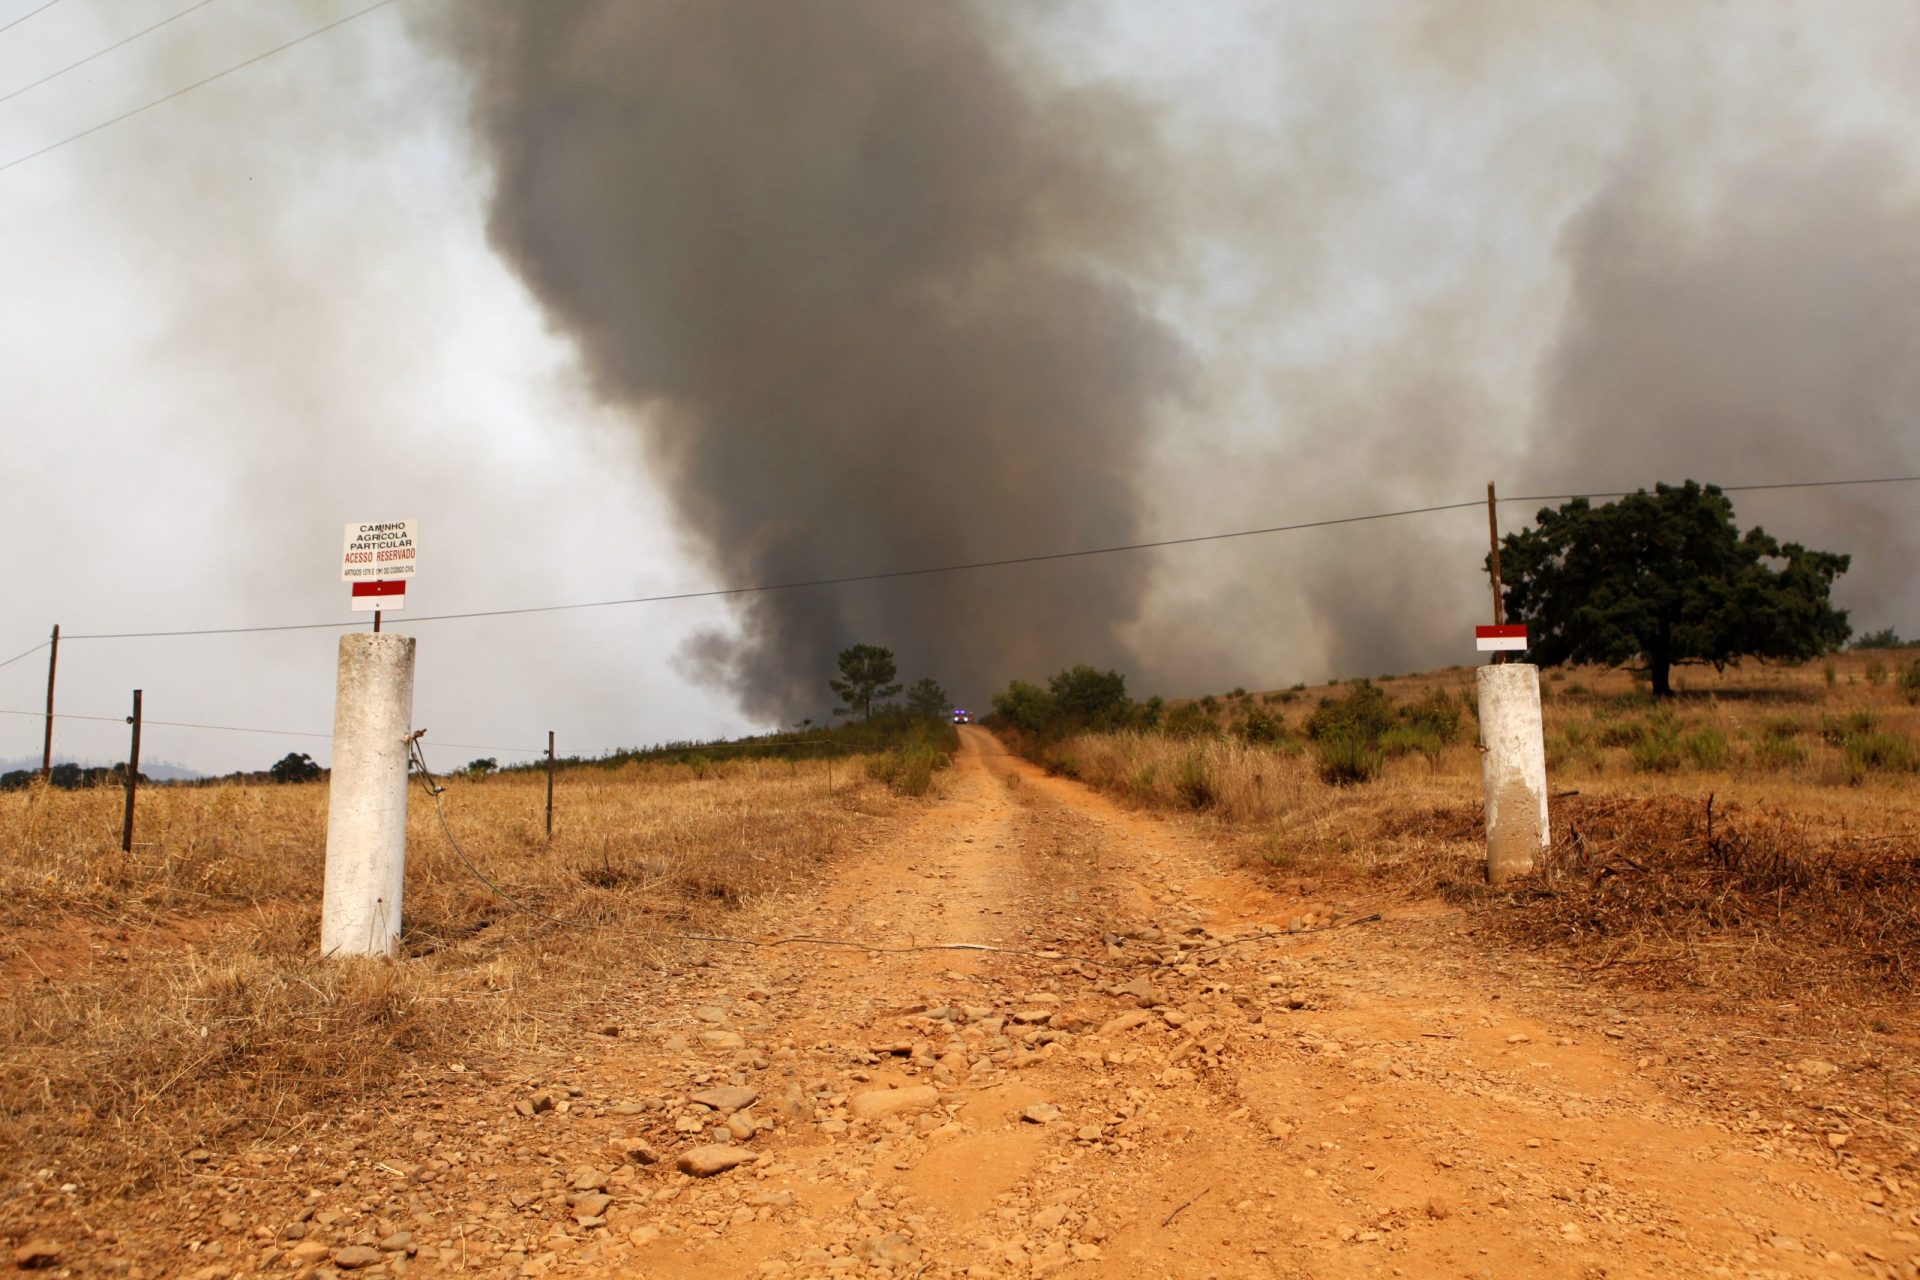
(1170, 1065)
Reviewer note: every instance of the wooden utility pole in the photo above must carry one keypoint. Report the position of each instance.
(549, 784)
(1493, 537)
(376, 622)
(133, 776)
(53, 664)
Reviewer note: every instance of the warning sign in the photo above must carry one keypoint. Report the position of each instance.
(1505, 636)
(387, 549)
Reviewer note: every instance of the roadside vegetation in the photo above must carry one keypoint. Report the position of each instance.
(153, 1003)
(1807, 872)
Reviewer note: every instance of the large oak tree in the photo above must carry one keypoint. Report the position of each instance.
(1666, 577)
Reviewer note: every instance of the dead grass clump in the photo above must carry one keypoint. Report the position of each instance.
(154, 1004)
(1229, 778)
(1678, 894)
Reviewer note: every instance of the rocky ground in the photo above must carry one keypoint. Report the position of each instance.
(1162, 1067)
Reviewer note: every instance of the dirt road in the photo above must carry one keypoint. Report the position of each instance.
(1143, 1084)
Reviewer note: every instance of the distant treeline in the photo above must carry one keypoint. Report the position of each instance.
(70, 777)
(885, 732)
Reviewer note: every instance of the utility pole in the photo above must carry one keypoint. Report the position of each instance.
(133, 776)
(549, 785)
(53, 664)
(1493, 537)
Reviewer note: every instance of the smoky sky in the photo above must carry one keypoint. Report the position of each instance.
(882, 285)
(1767, 327)
(857, 269)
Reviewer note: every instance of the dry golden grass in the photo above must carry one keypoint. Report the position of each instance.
(152, 1002)
(1827, 825)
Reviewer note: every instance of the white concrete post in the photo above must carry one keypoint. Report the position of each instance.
(367, 796)
(1513, 767)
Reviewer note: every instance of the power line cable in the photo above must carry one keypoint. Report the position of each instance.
(800, 584)
(663, 749)
(967, 566)
(1724, 488)
(101, 53)
(241, 728)
(28, 14)
(28, 654)
(197, 84)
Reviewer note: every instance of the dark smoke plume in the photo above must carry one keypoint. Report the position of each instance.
(860, 273)
(1770, 332)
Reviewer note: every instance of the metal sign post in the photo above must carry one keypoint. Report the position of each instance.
(133, 776)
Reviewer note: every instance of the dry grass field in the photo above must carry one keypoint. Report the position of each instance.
(1311, 975)
(151, 1003)
(1757, 836)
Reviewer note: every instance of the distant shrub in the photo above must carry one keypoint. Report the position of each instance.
(1837, 729)
(1363, 714)
(908, 770)
(1239, 691)
(1346, 761)
(1622, 733)
(1436, 714)
(1575, 689)
(1781, 728)
(1707, 748)
(1188, 720)
(1025, 706)
(1876, 673)
(1833, 674)
(1866, 753)
(1657, 751)
(1260, 727)
(1885, 638)
(1195, 785)
(1571, 746)
(1910, 682)
(1088, 698)
(1405, 739)
(1778, 753)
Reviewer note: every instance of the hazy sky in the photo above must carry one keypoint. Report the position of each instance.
(1394, 250)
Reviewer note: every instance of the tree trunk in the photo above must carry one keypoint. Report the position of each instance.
(1660, 668)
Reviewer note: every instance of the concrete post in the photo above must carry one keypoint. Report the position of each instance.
(367, 796)
(1513, 767)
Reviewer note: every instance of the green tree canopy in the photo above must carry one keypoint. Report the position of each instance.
(1091, 697)
(1025, 706)
(1666, 577)
(866, 675)
(295, 766)
(928, 698)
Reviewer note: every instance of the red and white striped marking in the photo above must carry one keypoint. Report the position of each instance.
(1501, 637)
(382, 594)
